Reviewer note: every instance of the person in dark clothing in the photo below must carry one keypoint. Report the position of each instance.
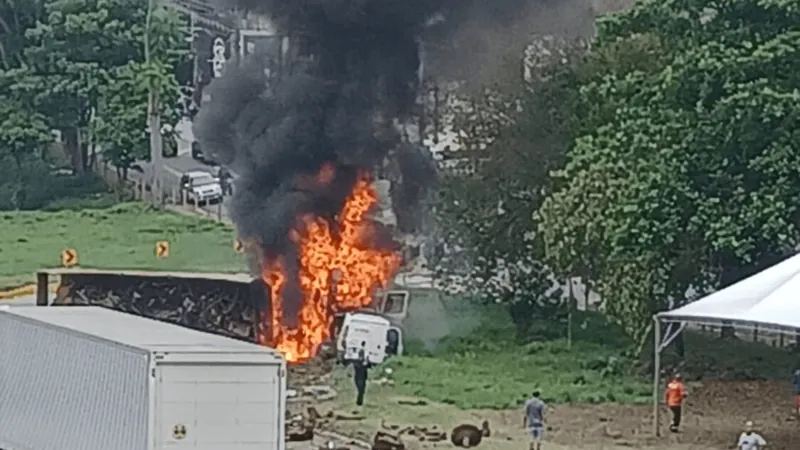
(360, 366)
(796, 384)
(392, 342)
(225, 179)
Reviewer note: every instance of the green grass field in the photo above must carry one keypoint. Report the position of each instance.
(490, 368)
(122, 236)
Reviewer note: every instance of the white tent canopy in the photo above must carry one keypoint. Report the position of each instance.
(769, 299)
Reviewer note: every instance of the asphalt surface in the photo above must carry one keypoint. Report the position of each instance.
(28, 300)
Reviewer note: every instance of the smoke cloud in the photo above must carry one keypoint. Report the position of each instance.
(340, 106)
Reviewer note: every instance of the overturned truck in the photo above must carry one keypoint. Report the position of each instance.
(231, 305)
(226, 304)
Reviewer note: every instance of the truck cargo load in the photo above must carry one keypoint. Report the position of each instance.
(91, 378)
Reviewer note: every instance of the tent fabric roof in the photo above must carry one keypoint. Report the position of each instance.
(770, 298)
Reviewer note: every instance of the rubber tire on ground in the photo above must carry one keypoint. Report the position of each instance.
(466, 436)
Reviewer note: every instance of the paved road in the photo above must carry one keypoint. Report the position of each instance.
(28, 300)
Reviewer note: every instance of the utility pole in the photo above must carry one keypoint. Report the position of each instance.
(153, 113)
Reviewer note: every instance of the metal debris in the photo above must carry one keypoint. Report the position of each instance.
(301, 426)
(387, 441)
(412, 402)
(331, 445)
(427, 434)
(354, 415)
(320, 392)
(430, 433)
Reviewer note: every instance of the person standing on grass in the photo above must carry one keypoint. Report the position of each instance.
(360, 366)
(676, 393)
(533, 420)
(796, 383)
(750, 440)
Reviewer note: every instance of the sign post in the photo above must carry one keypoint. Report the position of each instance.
(162, 249)
(69, 257)
(238, 245)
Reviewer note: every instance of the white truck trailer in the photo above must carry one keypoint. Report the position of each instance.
(90, 378)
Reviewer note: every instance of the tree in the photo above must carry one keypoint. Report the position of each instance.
(121, 128)
(23, 134)
(685, 171)
(74, 55)
(509, 138)
(15, 17)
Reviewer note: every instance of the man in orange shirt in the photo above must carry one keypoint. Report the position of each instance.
(676, 392)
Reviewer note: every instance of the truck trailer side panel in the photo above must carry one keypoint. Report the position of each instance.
(207, 406)
(72, 385)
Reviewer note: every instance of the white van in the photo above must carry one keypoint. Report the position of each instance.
(381, 339)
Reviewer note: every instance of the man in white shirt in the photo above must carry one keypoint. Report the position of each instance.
(750, 440)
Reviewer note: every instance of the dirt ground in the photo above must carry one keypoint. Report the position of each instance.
(714, 414)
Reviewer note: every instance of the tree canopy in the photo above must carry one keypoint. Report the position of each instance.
(507, 139)
(684, 174)
(663, 165)
(78, 67)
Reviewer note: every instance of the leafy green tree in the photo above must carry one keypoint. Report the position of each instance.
(123, 108)
(81, 51)
(23, 135)
(15, 17)
(509, 138)
(685, 173)
(120, 127)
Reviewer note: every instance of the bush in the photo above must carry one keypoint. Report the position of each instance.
(39, 187)
(94, 201)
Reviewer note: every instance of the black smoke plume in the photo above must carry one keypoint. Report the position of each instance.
(353, 77)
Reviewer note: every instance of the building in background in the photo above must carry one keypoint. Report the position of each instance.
(223, 37)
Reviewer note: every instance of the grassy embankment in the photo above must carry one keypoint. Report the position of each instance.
(121, 236)
(492, 369)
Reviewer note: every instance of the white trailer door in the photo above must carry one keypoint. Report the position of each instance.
(219, 406)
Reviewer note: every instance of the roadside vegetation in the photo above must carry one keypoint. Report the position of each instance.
(54, 116)
(119, 236)
(648, 164)
(493, 367)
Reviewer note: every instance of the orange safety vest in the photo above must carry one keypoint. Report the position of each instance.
(675, 393)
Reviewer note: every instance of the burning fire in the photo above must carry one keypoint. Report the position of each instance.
(336, 274)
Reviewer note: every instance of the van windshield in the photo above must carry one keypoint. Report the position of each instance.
(394, 303)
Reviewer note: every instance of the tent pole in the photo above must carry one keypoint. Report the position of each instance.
(656, 372)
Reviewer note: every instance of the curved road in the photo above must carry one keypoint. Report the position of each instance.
(27, 300)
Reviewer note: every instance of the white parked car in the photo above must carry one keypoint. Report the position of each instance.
(201, 187)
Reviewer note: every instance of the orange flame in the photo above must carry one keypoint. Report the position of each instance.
(336, 274)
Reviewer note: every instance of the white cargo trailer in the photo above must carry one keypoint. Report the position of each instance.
(90, 378)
